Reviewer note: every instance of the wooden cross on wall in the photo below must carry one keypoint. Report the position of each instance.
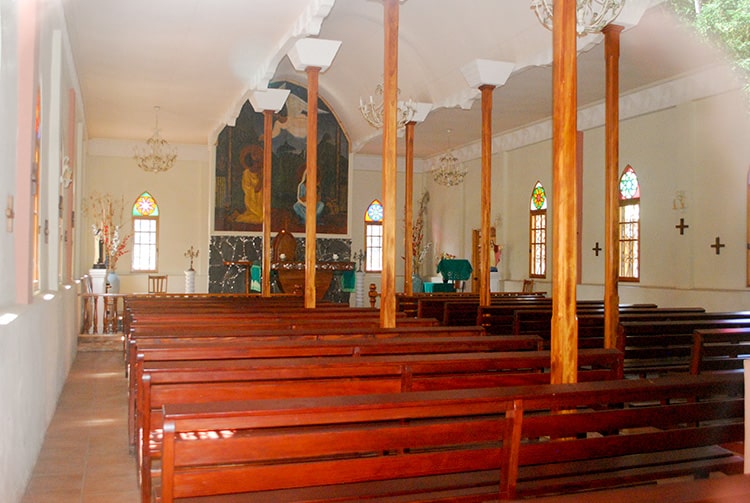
(682, 226)
(718, 245)
(597, 248)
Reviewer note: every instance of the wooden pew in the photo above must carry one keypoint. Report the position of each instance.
(267, 326)
(539, 321)
(434, 306)
(349, 342)
(408, 447)
(719, 349)
(669, 427)
(220, 380)
(614, 433)
(661, 347)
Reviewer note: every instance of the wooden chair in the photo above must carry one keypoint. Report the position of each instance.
(157, 283)
(528, 286)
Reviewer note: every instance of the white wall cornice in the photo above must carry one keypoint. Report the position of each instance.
(103, 147)
(711, 81)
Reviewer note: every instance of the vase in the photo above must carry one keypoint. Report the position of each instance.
(417, 285)
(190, 281)
(114, 282)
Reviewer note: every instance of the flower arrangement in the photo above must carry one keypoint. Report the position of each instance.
(444, 256)
(107, 214)
(419, 250)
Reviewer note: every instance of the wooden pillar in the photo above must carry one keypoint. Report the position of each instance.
(267, 151)
(611, 186)
(484, 245)
(409, 210)
(390, 98)
(311, 185)
(564, 343)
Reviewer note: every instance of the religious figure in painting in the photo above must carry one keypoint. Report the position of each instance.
(300, 207)
(251, 158)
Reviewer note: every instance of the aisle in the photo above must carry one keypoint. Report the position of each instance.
(85, 453)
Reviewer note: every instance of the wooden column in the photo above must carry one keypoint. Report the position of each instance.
(564, 344)
(390, 98)
(484, 245)
(267, 151)
(611, 186)
(311, 185)
(409, 210)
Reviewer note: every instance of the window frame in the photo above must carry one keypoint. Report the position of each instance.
(373, 223)
(629, 229)
(537, 213)
(152, 216)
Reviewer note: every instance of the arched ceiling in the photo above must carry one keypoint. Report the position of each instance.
(200, 60)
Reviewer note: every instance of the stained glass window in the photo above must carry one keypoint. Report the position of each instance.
(538, 197)
(538, 232)
(145, 206)
(630, 225)
(145, 233)
(374, 237)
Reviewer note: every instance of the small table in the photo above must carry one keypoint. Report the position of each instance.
(247, 264)
(455, 270)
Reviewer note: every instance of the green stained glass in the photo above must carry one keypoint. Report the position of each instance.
(538, 198)
(145, 206)
(629, 187)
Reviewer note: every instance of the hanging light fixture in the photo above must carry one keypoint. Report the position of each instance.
(591, 15)
(372, 109)
(157, 155)
(449, 172)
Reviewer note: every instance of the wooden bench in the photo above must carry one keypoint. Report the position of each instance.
(262, 327)
(408, 304)
(539, 321)
(434, 306)
(630, 432)
(719, 349)
(612, 433)
(662, 347)
(408, 447)
(217, 380)
(349, 342)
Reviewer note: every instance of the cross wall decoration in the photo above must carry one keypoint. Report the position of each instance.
(682, 226)
(718, 245)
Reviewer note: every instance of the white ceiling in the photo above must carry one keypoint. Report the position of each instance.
(199, 60)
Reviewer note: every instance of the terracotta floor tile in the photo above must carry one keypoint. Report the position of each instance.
(85, 455)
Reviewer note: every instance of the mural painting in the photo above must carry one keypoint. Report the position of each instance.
(239, 169)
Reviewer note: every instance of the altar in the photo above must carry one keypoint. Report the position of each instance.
(455, 270)
(291, 276)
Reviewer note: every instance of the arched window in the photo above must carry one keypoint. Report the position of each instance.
(374, 237)
(630, 225)
(145, 233)
(538, 232)
(36, 187)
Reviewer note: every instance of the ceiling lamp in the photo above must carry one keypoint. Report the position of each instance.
(157, 155)
(591, 15)
(449, 172)
(372, 110)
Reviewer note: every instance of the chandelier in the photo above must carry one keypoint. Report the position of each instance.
(157, 155)
(449, 171)
(591, 15)
(372, 110)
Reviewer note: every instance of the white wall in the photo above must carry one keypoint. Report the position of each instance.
(699, 148)
(38, 338)
(182, 194)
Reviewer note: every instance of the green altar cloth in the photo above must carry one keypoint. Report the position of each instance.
(454, 269)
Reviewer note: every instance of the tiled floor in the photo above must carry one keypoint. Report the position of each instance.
(85, 453)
